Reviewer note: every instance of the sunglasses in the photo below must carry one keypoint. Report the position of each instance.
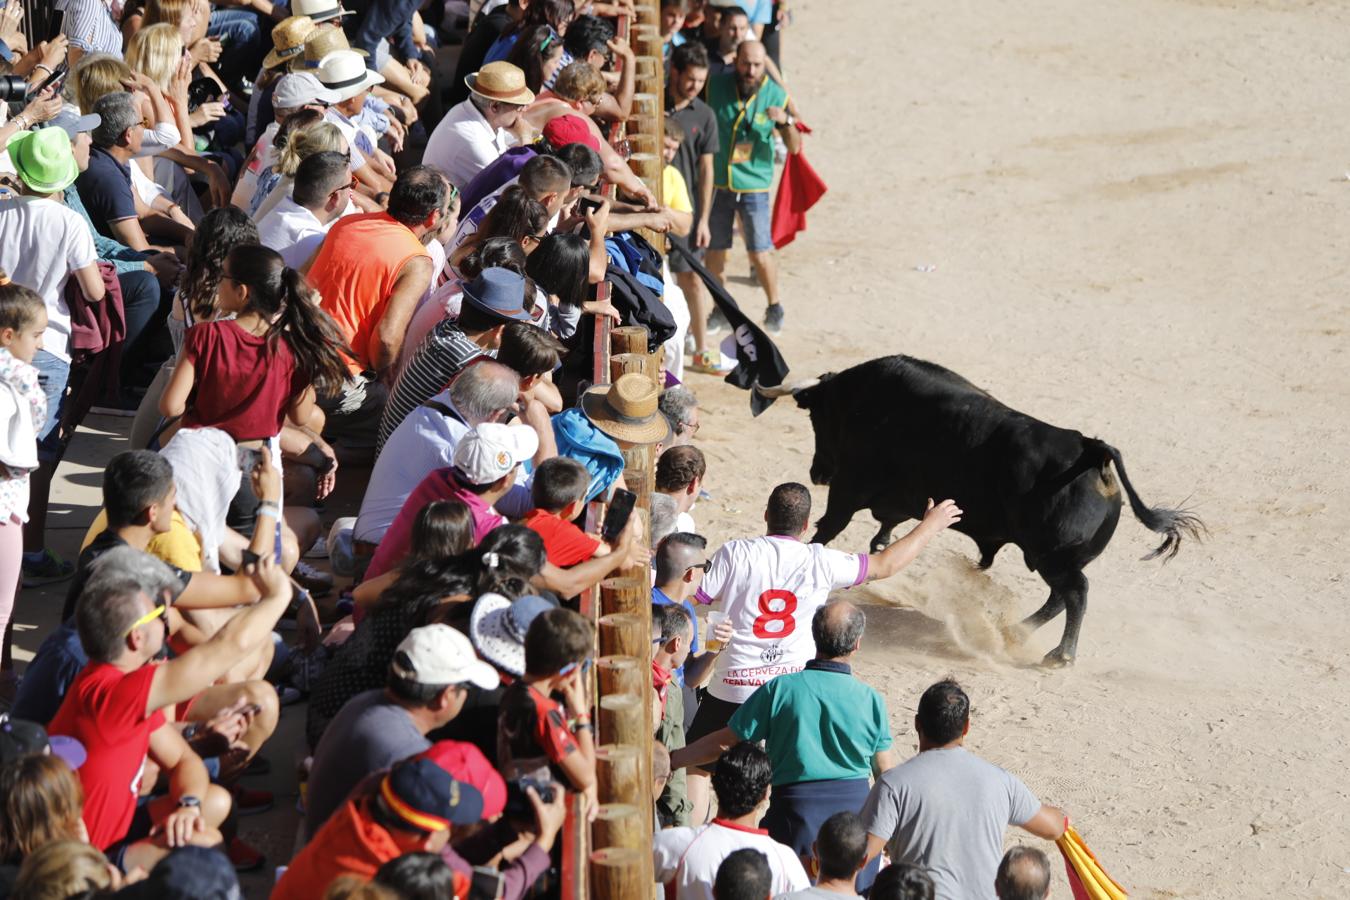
(159, 612)
(705, 566)
(552, 35)
(571, 667)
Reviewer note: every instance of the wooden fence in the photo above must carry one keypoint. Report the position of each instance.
(610, 857)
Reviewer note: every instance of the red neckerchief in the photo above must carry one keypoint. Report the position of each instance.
(727, 823)
(660, 681)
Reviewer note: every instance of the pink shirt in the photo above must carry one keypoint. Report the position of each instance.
(441, 484)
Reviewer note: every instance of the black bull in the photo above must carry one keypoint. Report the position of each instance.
(893, 432)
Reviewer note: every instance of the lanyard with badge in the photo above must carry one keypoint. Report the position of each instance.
(741, 150)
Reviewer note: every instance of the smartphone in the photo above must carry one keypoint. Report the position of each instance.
(487, 884)
(249, 459)
(616, 517)
(587, 204)
(58, 75)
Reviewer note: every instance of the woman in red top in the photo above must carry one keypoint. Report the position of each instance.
(247, 374)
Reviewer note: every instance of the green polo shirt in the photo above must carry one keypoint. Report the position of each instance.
(744, 124)
(819, 724)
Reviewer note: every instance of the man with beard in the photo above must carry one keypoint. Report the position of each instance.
(750, 107)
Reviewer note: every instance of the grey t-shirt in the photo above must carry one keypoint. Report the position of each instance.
(815, 893)
(368, 734)
(945, 810)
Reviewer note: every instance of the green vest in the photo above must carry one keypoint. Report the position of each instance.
(747, 125)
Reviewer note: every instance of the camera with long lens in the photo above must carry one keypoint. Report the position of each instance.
(13, 89)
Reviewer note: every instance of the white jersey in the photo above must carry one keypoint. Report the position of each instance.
(689, 858)
(770, 587)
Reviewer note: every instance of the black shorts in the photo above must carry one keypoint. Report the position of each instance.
(713, 715)
(138, 831)
(677, 262)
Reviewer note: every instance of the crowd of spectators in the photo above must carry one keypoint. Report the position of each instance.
(307, 266)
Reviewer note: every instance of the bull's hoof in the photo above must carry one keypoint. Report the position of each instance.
(1057, 659)
(1013, 634)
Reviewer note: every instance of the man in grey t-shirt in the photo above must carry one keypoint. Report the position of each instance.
(945, 809)
(428, 684)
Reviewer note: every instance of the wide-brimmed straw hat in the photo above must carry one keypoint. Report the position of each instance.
(288, 40)
(320, 10)
(627, 410)
(500, 81)
(322, 43)
(346, 73)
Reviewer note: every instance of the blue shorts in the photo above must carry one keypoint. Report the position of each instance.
(53, 375)
(754, 210)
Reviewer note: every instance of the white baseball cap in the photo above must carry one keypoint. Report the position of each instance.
(301, 89)
(438, 654)
(492, 450)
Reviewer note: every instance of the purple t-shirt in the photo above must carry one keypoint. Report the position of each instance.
(439, 485)
(499, 172)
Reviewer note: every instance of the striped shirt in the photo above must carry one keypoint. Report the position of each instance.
(89, 25)
(441, 356)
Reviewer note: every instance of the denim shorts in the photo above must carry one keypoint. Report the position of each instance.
(753, 209)
(53, 375)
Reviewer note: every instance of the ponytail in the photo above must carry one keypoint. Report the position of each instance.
(313, 336)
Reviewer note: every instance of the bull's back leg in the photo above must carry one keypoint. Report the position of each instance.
(1070, 587)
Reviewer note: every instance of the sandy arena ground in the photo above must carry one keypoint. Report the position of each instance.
(1132, 209)
(1132, 212)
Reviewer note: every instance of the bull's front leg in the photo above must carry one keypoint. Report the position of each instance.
(843, 502)
(882, 539)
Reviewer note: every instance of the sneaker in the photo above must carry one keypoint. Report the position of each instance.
(320, 548)
(45, 567)
(243, 857)
(311, 579)
(717, 321)
(249, 802)
(773, 318)
(708, 362)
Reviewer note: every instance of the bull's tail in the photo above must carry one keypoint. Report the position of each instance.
(1172, 523)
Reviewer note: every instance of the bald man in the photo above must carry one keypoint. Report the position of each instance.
(1024, 874)
(825, 732)
(750, 108)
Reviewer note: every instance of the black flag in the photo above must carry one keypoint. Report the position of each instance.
(757, 357)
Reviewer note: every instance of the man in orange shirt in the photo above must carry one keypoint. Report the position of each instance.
(371, 272)
(410, 810)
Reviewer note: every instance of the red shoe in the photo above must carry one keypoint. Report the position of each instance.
(243, 857)
(248, 802)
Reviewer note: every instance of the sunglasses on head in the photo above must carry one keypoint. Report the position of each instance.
(572, 667)
(159, 612)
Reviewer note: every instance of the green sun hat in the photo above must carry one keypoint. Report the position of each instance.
(44, 159)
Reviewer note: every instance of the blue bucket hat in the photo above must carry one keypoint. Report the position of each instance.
(499, 293)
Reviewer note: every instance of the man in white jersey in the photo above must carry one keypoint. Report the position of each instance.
(770, 587)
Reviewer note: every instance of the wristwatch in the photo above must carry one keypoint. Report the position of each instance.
(187, 801)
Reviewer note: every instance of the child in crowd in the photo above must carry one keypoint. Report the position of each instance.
(674, 192)
(559, 495)
(248, 375)
(538, 737)
(23, 409)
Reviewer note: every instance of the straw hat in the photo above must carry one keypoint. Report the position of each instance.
(320, 10)
(627, 410)
(346, 73)
(502, 82)
(322, 42)
(288, 40)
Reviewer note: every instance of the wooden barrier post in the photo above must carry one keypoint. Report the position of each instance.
(620, 861)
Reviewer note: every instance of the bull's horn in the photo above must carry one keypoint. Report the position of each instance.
(783, 390)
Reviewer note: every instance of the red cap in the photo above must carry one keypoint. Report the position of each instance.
(466, 763)
(563, 130)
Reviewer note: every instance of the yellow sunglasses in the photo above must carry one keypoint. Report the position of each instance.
(159, 612)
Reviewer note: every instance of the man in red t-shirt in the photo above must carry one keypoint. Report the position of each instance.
(559, 494)
(115, 706)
